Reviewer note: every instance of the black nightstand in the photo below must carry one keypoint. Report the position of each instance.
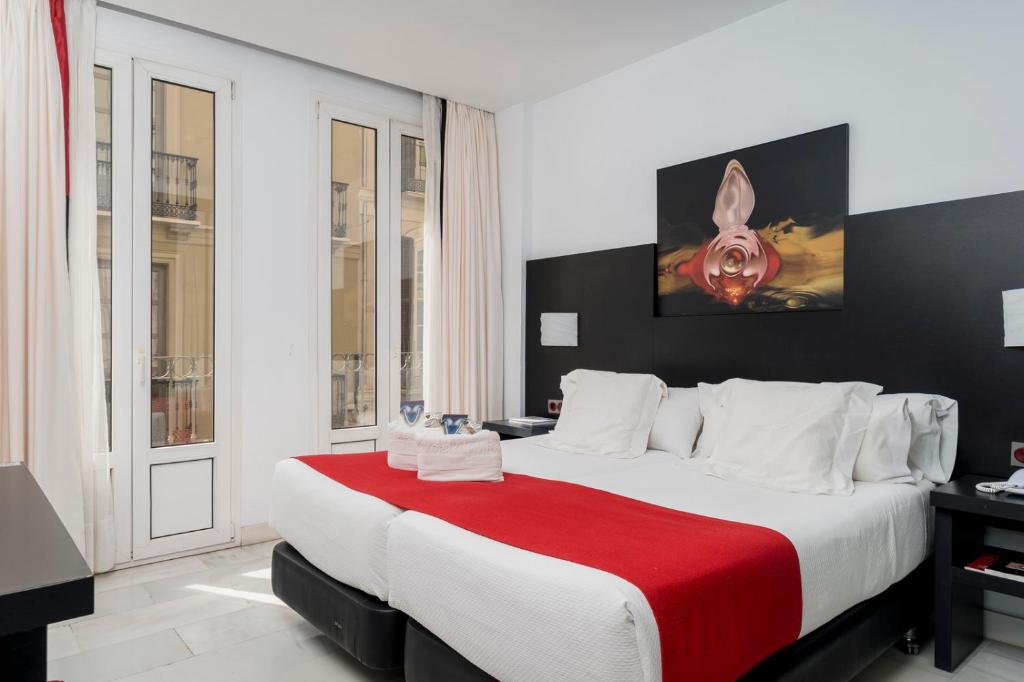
(507, 429)
(961, 516)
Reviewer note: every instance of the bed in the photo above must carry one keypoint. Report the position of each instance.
(506, 611)
(518, 615)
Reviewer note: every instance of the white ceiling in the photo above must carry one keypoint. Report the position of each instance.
(488, 53)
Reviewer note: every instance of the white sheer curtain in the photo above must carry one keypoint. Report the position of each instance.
(434, 385)
(471, 305)
(40, 423)
(85, 293)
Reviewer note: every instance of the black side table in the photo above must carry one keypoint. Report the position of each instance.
(43, 578)
(507, 429)
(961, 516)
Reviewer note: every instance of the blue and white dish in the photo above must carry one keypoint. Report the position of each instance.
(411, 411)
(452, 423)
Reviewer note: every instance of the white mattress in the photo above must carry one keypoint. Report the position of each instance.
(344, 533)
(525, 616)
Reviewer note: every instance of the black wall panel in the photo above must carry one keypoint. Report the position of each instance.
(922, 313)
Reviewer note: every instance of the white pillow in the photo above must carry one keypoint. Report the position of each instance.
(677, 423)
(885, 453)
(711, 398)
(791, 436)
(606, 413)
(935, 420)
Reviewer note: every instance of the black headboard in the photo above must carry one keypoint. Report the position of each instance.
(922, 313)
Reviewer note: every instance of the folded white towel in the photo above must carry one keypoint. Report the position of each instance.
(460, 457)
(402, 444)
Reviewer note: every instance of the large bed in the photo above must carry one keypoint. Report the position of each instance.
(517, 615)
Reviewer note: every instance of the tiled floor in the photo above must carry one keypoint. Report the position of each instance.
(214, 618)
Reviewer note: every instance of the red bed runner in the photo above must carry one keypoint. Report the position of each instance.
(725, 595)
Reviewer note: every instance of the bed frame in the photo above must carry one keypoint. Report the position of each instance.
(923, 283)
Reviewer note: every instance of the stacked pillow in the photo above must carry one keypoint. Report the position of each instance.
(607, 413)
(786, 435)
(800, 437)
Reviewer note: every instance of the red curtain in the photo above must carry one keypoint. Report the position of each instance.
(60, 37)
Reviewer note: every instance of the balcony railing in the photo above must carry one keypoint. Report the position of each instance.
(339, 210)
(353, 377)
(174, 186)
(178, 384)
(174, 183)
(414, 166)
(103, 186)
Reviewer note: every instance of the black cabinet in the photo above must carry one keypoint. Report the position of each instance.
(962, 515)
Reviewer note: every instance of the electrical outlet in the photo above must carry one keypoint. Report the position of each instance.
(1017, 454)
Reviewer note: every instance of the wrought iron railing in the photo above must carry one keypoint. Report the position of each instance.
(174, 186)
(353, 379)
(174, 183)
(352, 389)
(414, 166)
(339, 210)
(103, 177)
(176, 384)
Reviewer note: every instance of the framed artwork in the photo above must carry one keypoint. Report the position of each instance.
(755, 230)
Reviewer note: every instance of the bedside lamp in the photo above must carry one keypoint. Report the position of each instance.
(559, 329)
(1013, 318)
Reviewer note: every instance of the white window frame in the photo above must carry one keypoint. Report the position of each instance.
(398, 129)
(122, 120)
(326, 112)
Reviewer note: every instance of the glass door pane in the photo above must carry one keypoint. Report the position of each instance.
(182, 265)
(102, 81)
(353, 306)
(413, 179)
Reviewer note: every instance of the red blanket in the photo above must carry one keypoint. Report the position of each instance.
(725, 595)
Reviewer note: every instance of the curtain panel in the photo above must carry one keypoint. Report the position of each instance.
(40, 424)
(52, 418)
(471, 338)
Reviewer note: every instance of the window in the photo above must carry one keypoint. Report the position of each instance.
(413, 186)
(182, 264)
(353, 307)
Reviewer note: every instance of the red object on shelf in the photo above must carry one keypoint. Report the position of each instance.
(982, 562)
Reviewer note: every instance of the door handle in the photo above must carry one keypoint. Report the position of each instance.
(140, 365)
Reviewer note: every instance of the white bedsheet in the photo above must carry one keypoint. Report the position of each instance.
(344, 533)
(525, 616)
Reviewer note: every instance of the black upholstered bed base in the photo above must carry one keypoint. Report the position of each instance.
(362, 625)
(381, 637)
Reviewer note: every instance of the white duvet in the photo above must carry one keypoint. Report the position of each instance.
(525, 616)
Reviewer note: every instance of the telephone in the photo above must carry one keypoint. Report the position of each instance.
(1014, 485)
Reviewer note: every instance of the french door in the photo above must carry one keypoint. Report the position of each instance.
(164, 166)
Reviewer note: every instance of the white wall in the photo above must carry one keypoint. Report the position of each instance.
(931, 90)
(275, 326)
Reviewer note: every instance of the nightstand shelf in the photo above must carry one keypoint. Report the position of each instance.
(962, 515)
(992, 583)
